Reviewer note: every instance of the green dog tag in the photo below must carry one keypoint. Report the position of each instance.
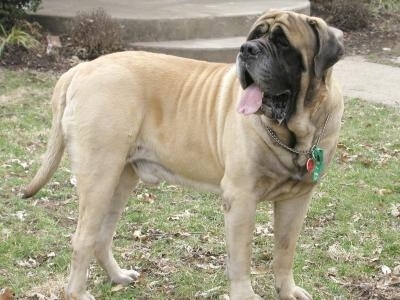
(317, 162)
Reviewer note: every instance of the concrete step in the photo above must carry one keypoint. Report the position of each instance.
(217, 50)
(203, 29)
(163, 20)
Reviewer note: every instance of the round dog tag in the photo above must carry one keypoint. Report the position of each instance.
(310, 165)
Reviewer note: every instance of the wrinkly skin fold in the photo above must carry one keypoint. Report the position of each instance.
(135, 115)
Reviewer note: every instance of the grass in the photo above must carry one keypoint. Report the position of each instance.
(174, 236)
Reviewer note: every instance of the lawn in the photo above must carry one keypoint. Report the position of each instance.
(349, 247)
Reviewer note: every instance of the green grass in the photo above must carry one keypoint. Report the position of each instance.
(349, 234)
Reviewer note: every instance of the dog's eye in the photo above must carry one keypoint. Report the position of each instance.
(279, 38)
(282, 41)
(258, 32)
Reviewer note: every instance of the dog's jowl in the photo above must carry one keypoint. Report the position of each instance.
(264, 128)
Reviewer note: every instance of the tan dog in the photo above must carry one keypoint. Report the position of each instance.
(247, 132)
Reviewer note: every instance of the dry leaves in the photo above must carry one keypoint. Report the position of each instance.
(32, 263)
(338, 253)
(209, 293)
(39, 296)
(146, 197)
(20, 215)
(385, 286)
(378, 156)
(183, 215)
(395, 210)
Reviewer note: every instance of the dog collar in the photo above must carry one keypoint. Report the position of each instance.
(315, 161)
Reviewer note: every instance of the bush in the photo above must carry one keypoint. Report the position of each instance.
(94, 34)
(344, 14)
(13, 10)
(15, 37)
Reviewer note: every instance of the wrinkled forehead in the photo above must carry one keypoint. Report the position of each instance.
(295, 26)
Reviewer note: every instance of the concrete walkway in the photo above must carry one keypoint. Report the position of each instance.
(369, 81)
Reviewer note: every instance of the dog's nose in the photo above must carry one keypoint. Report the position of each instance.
(250, 49)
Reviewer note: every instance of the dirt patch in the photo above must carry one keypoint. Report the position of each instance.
(38, 58)
(378, 40)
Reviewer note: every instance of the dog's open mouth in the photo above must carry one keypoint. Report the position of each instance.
(254, 99)
(276, 106)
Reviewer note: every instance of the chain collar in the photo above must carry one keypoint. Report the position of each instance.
(273, 135)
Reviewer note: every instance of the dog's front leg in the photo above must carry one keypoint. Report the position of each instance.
(288, 220)
(239, 227)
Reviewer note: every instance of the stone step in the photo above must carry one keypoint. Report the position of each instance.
(217, 50)
(163, 20)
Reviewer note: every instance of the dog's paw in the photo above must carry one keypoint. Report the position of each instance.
(297, 293)
(125, 277)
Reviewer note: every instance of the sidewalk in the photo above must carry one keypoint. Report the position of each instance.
(369, 81)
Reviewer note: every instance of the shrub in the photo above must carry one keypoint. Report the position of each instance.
(344, 14)
(350, 14)
(353, 14)
(13, 10)
(16, 36)
(94, 34)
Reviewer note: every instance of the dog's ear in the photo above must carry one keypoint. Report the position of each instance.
(329, 46)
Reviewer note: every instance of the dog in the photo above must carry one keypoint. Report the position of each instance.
(263, 129)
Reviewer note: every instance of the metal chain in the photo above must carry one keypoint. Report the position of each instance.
(280, 143)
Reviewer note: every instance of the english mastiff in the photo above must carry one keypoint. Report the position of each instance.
(263, 129)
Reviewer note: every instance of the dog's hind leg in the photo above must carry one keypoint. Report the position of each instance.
(99, 172)
(103, 251)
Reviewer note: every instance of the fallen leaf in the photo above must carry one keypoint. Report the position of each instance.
(208, 266)
(356, 217)
(36, 296)
(73, 181)
(336, 252)
(137, 235)
(208, 293)
(347, 158)
(146, 197)
(342, 146)
(332, 271)
(396, 270)
(185, 214)
(20, 215)
(30, 263)
(386, 270)
(394, 210)
(117, 288)
(382, 192)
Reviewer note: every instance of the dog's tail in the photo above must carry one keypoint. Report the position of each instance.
(55, 146)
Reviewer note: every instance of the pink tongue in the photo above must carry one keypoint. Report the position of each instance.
(250, 101)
